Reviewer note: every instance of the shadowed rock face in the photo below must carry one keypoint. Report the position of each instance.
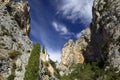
(105, 31)
(103, 40)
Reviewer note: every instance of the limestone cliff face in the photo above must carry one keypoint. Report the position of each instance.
(47, 69)
(73, 51)
(20, 12)
(15, 46)
(103, 42)
(105, 31)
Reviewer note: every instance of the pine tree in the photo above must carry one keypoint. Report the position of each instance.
(32, 69)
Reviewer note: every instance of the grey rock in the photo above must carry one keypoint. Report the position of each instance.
(13, 38)
(102, 38)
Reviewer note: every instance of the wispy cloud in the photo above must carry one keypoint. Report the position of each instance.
(76, 10)
(78, 35)
(62, 29)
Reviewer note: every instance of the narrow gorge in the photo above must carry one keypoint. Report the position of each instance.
(95, 55)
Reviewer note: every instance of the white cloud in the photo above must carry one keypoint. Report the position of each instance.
(62, 29)
(76, 10)
(78, 35)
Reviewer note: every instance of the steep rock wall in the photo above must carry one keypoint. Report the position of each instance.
(103, 42)
(15, 45)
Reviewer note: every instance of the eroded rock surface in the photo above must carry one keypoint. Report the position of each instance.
(15, 45)
(105, 31)
(103, 41)
(73, 51)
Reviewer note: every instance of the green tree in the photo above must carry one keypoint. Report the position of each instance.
(32, 69)
(43, 50)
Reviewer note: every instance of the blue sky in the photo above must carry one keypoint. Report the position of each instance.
(54, 22)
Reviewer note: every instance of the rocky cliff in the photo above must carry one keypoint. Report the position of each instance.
(20, 11)
(15, 46)
(73, 50)
(47, 67)
(96, 54)
(16, 49)
(105, 31)
(101, 41)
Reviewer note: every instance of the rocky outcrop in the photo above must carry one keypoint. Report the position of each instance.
(73, 51)
(102, 42)
(105, 31)
(15, 46)
(46, 67)
(20, 12)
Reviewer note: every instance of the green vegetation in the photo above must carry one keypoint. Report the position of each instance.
(81, 72)
(56, 73)
(43, 50)
(12, 76)
(32, 69)
(46, 63)
(112, 74)
(91, 71)
(14, 54)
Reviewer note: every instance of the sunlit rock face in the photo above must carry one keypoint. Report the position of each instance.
(15, 46)
(47, 70)
(73, 50)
